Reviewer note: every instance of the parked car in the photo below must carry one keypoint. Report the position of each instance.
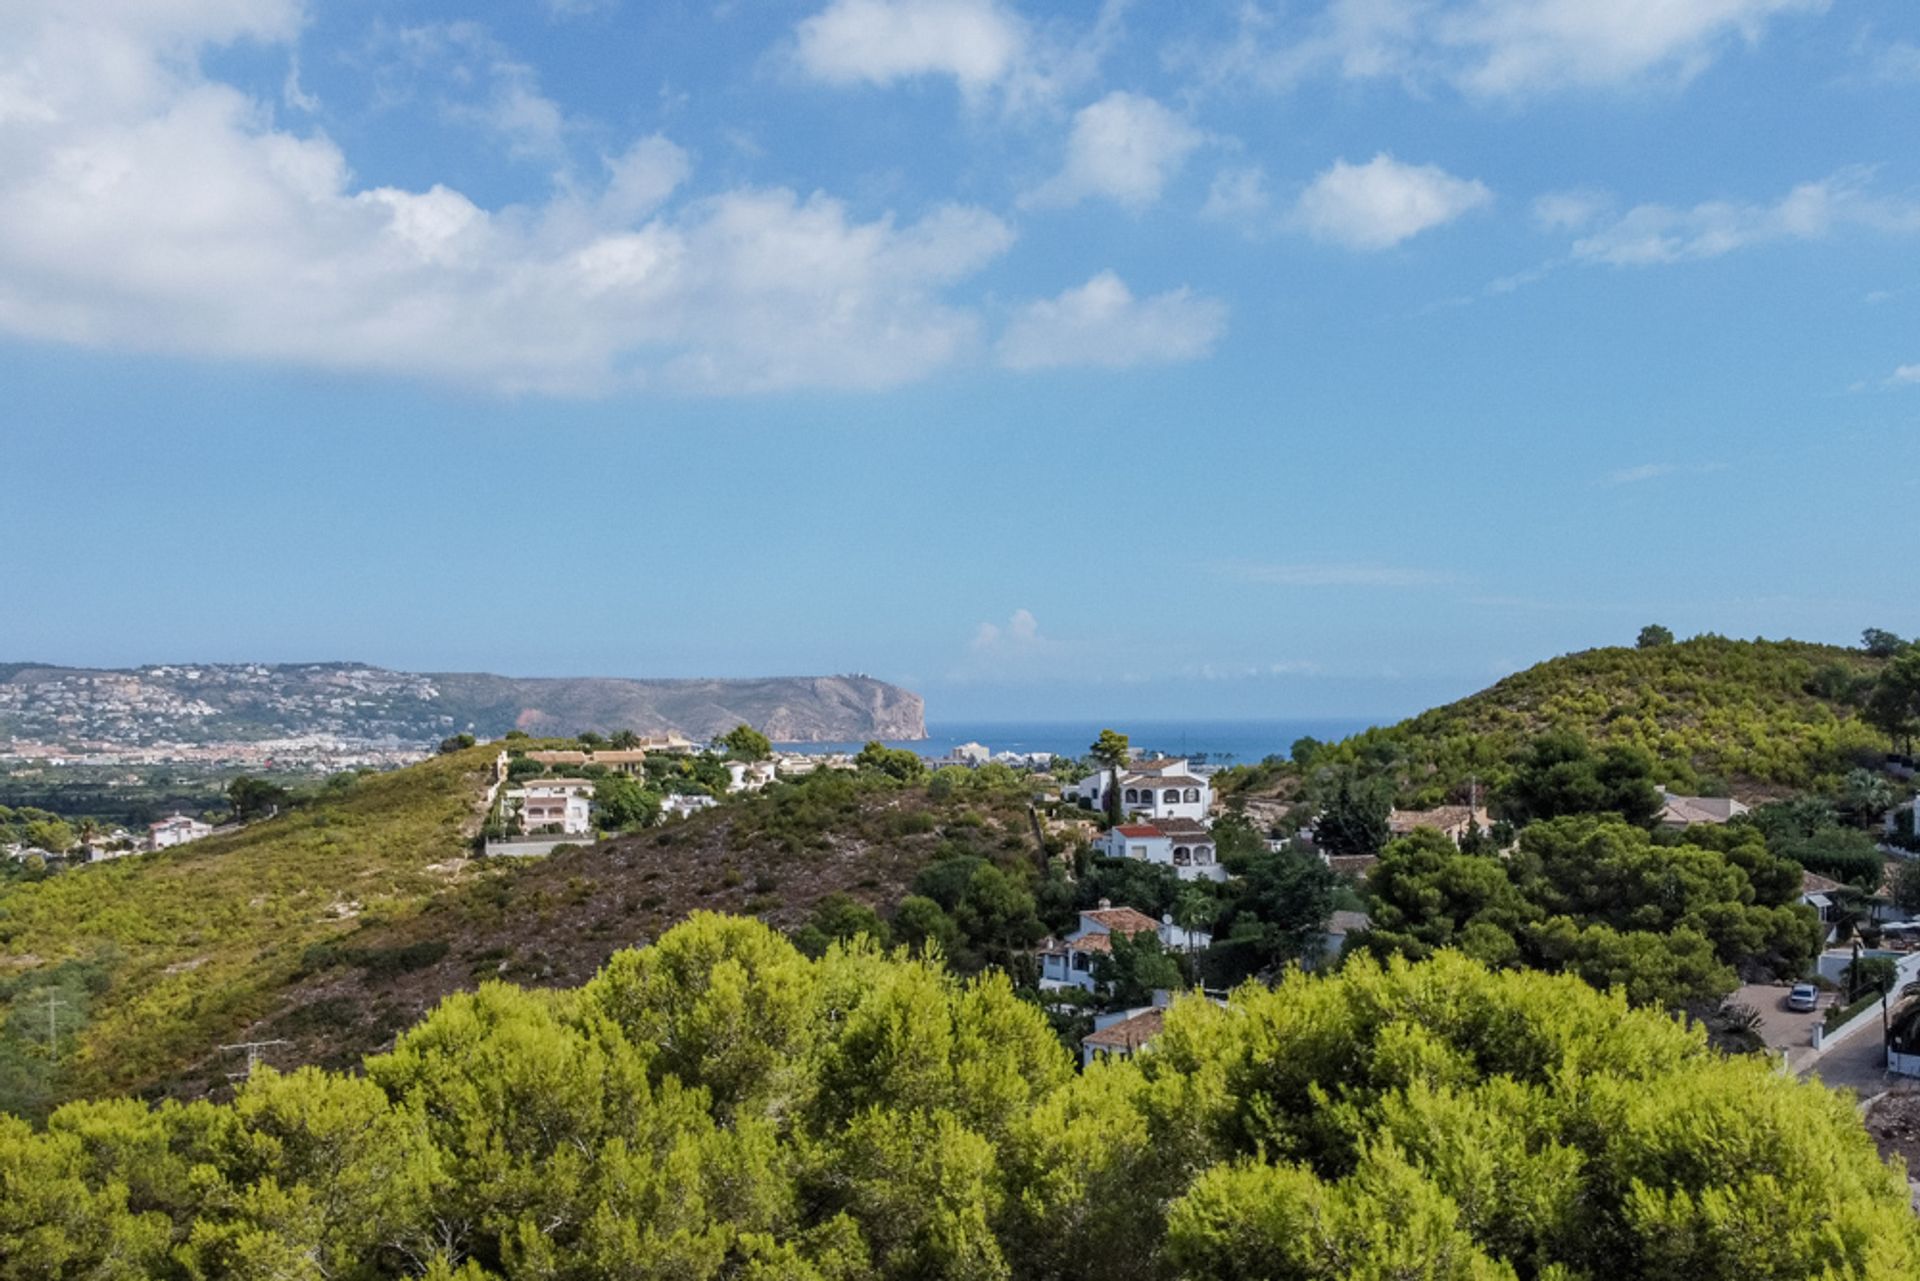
(1804, 997)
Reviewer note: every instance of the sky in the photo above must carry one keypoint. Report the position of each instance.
(1328, 358)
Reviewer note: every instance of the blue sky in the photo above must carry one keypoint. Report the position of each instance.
(1130, 359)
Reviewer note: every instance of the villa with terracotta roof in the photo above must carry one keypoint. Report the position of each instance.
(1163, 787)
(1454, 822)
(1123, 1036)
(1685, 811)
(1180, 843)
(1069, 962)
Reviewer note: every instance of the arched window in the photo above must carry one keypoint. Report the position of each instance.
(1172, 796)
(1132, 796)
(1203, 854)
(1193, 793)
(1182, 856)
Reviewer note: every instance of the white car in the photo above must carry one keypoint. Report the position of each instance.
(1804, 997)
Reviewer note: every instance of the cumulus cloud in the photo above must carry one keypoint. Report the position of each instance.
(976, 42)
(1905, 376)
(1124, 148)
(1497, 48)
(1383, 202)
(1655, 233)
(1102, 324)
(1239, 195)
(1020, 632)
(146, 206)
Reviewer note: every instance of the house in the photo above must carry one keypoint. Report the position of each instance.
(1161, 787)
(1333, 940)
(975, 754)
(749, 776)
(177, 830)
(1180, 843)
(1455, 822)
(555, 804)
(1352, 867)
(1819, 893)
(1684, 811)
(686, 804)
(630, 761)
(1122, 1035)
(1068, 962)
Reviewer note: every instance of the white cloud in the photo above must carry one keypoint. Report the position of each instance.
(1102, 324)
(1337, 574)
(976, 42)
(1905, 376)
(1655, 233)
(1897, 61)
(1021, 632)
(1124, 148)
(144, 206)
(1656, 471)
(1570, 210)
(1383, 202)
(1239, 195)
(1498, 48)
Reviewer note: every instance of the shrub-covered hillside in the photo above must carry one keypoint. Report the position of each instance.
(1760, 716)
(150, 961)
(719, 1106)
(553, 922)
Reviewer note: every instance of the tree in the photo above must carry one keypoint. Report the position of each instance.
(1276, 915)
(253, 798)
(1893, 702)
(1562, 775)
(1136, 968)
(838, 918)
(895, 762)
(1355, 818)
(1112, 751)
(1906, 885)
(1880, 643)
(50, 834)
(590, 739)
(624, 741)
(744, 742)
(456, 743)
(624, 804)
(1653, 635)
(1865, 796)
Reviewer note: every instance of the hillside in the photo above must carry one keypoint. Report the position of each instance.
(335, 926)
(1755, 716)
(152, 960)
(206, 703)
(554, 922)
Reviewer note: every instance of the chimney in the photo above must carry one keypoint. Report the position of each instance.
(1105, 903)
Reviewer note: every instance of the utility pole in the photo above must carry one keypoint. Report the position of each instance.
(54, 1005)
(253, 1049)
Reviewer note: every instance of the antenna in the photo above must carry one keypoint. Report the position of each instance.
(253, 1049)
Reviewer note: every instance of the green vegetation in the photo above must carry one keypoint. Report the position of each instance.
(719, 1106)
(1671, 924)
(746, 743)
(1706, 712)
(192, 942)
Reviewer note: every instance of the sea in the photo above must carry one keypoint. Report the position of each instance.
(1206, 742)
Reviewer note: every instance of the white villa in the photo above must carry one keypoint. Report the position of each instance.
(686, 805)
(562, 803)
(177, 830)
(749, 776)
(1163, 787)
(1180, 843)
(1068, 962)
(1684, 811)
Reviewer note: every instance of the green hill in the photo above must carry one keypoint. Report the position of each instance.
(153, 960)
(1756, 716)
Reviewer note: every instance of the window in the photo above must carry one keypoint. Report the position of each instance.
(1082, 962)
(1193, 793)
(1171, 796)
(1182, 856)
(1140, 851)
(1132, 796)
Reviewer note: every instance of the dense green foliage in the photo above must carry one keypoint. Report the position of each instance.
(1707, 711)
(1597, 897)
(718, 1106)
(1560, 774)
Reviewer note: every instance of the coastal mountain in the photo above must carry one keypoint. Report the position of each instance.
(228, 702)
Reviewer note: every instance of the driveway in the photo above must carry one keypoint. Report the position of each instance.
(1781, 1028)
(1858, 1063)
